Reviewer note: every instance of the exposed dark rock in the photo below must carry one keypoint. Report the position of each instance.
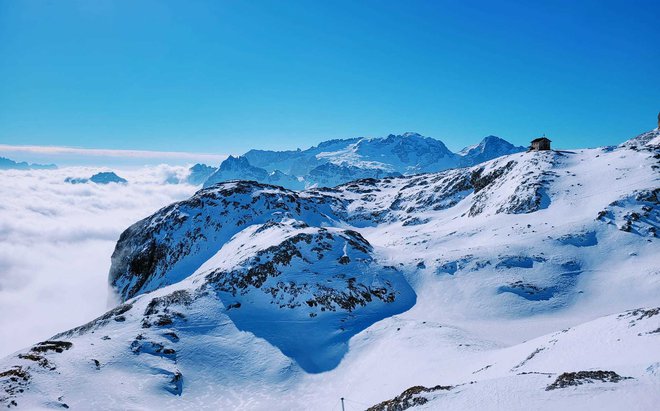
(411, 397)
(13, 382)
(57, 346)
(569, 379)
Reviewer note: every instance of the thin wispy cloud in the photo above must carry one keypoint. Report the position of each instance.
(78, 155)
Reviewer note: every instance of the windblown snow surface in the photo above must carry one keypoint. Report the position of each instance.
(531, 281)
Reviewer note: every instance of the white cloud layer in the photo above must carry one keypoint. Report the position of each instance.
(56, 240)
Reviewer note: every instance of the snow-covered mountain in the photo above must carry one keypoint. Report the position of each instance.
(408, 153)
(525, 282)
(336, 162)
(325, 175)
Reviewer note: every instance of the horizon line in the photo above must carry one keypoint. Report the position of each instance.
(108, 152)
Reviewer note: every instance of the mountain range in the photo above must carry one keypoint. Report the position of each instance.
(336, 162)
(528, 281)
(8, 164)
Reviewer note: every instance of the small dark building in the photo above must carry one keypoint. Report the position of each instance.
(540, 144)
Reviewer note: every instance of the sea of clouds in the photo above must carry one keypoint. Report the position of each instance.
(56, 240)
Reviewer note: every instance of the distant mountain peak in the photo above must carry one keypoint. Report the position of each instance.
(9, 164)
(104, 177)
(409, 134)
(232, 162)
(492, 138)
(239, 168)
(489, 148)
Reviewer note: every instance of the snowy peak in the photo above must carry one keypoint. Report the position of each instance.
(407, 153)
(236, 168)
(411, 134)
(489, 148)
(235, 163)
(339, 161)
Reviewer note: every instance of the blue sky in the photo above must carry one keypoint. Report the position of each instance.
(226, 76)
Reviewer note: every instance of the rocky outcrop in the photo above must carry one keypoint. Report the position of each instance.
(412, 397)
(573, 379)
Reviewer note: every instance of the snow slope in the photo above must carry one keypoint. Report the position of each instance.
(512, 284)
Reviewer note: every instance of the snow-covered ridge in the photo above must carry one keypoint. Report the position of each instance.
(460, 282)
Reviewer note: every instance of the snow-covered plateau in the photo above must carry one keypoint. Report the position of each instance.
(530, 281)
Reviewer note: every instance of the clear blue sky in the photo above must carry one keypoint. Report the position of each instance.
(226, 76)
